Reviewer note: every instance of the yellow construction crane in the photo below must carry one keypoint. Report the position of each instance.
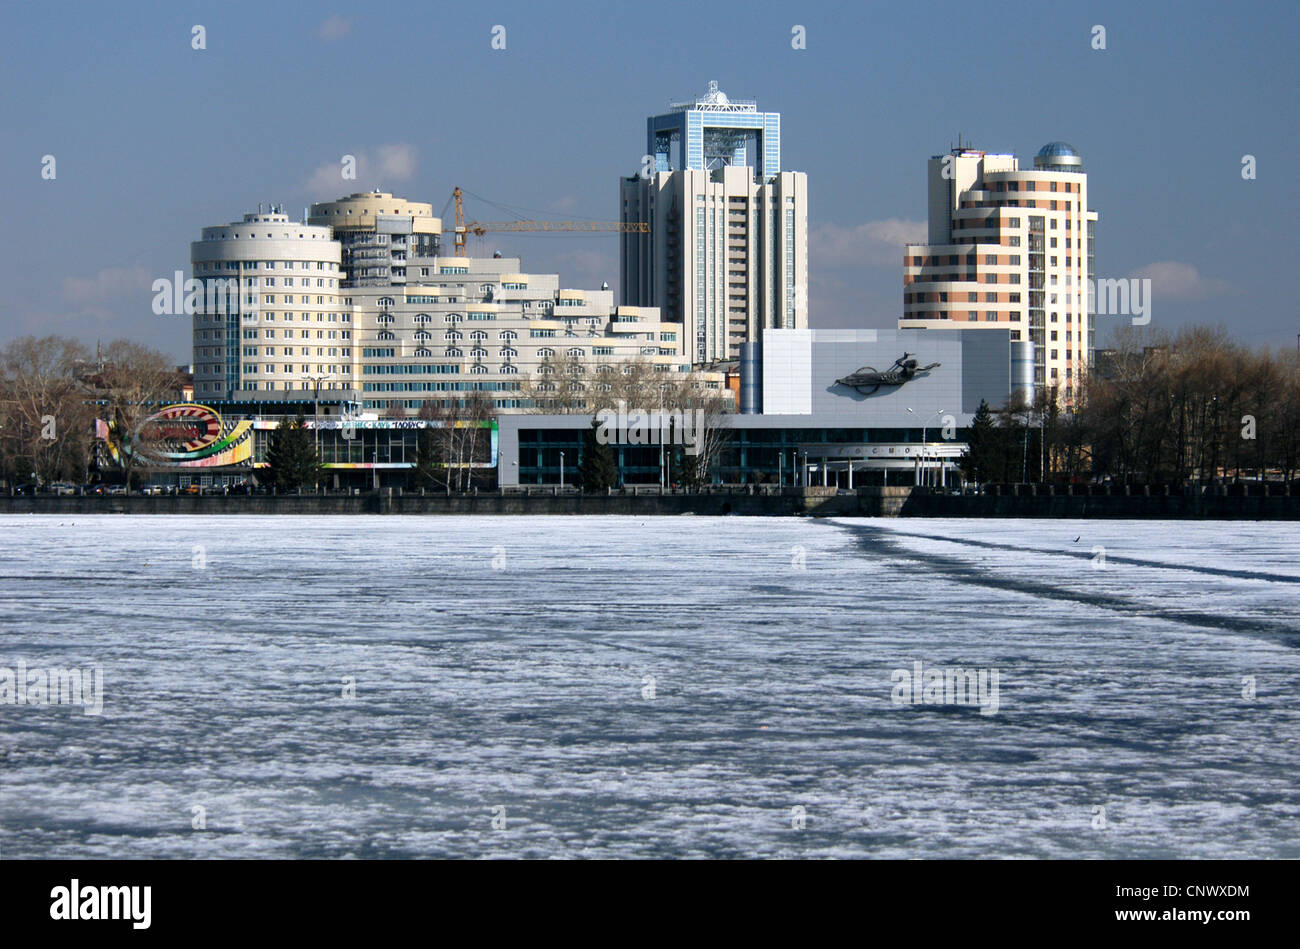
(479, 228)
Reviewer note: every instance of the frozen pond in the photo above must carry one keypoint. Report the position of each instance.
(651, 687)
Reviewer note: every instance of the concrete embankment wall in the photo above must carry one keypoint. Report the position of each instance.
(1039, 501)
(1011, 501)
(704, 504)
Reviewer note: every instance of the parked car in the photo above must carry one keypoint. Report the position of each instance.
(151, 489)
(24, 489)
(115, 489)
(63, 487)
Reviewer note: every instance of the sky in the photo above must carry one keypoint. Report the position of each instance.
(153, 139)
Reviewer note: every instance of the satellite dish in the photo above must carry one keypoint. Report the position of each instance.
(605, 285)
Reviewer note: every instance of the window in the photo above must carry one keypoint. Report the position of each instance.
(546, 352)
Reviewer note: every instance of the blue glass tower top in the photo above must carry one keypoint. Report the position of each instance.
(715, 131)
(1058, 156)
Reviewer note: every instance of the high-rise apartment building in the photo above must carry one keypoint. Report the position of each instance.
(283, 279)
(1009, 248)
(726, 255)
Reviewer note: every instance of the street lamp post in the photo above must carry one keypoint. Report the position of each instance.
(924, 452)
(561, 471)
(315, 425)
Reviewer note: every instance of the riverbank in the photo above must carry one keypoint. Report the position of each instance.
(1036, 501)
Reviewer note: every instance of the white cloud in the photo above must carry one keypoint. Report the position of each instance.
(91, 294)
(873, 243)
(334, 28)
(1172, 280)
(376, 167)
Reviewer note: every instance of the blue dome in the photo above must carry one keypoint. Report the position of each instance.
(1057, 149)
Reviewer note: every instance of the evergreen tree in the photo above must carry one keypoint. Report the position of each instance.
(981, 462)
(291, 456)
(688, 470)
(597, 470)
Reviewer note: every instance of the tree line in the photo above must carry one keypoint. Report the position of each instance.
(1158, 409)
(52, 390)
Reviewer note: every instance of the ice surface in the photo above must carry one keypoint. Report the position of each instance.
(523, 685)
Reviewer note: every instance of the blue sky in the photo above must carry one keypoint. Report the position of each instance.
(153, 139)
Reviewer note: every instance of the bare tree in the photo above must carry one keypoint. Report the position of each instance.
(458, 440)
(45, 422)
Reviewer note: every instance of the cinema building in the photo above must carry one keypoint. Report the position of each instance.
(824, 407)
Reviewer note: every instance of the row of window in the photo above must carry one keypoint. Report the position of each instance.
(252, 369)
(229, 265)
(288, 334)
(253, 351)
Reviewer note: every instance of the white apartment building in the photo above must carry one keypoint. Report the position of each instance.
(455, 325)
(285, 323)
(1009, 248)
(467, 324)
